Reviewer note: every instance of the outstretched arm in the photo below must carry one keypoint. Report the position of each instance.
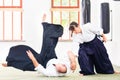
(72, 59)
(38, 67)
(31, 56)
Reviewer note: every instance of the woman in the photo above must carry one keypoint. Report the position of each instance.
(92, 51)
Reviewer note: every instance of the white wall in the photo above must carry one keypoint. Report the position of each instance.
(115, 49)
(113, 46)
(33, 12)
(32, 29)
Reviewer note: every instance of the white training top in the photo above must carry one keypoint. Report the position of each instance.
(89, 32)
(50, 69)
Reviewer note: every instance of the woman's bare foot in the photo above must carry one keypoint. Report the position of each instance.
(4, 64)
(72, 60)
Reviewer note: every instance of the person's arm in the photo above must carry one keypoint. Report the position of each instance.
(75, 44)
(31, 56)
(50, 71)
(98, 31)
(72, 59)
(95, 29)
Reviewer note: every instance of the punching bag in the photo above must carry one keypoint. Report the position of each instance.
(86, 11)
(105, 14)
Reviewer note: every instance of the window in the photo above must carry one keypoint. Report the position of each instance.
(63, 12)
(10, 20)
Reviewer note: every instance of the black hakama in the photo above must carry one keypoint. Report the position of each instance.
(94, 54)
(18, 57)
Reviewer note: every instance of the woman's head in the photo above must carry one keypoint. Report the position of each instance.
(74, 27)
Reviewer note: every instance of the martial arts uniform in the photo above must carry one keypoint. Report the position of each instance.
(19, 59)
(50, 69)
(92, 52)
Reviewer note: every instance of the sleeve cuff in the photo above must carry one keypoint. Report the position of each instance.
(38, 67)
(101, 32)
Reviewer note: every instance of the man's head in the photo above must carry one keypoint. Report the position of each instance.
(61, 68)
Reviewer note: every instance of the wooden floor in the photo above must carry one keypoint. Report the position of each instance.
(9, 73)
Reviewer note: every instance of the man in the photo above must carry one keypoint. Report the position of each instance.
(46, 62)
(55, 67)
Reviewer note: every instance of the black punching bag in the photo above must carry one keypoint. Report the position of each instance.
(86, 11)
(105, 17)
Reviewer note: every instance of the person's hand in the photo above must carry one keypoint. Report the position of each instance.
(30, 55)
(104, 38)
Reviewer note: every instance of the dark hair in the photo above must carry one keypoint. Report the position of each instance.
(72, 25)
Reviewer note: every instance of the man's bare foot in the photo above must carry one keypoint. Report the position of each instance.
(4, 64)
(44, 17)
(81, 74)
(72, 60)
(116, 72)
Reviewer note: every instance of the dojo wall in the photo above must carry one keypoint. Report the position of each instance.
(113, 44)
(32, 29)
